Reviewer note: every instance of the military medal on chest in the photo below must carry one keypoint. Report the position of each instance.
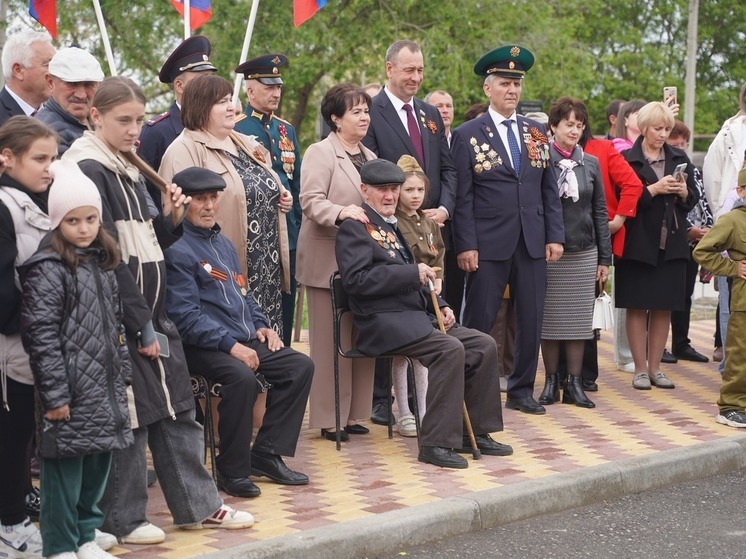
(385, 239)
(287, 151)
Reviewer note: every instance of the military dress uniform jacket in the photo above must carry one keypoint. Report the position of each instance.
(389, 139)
(157, 134)
(278, 136)
(389, 304)
(495, 206)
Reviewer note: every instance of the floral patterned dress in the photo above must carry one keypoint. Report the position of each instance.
(263, 246)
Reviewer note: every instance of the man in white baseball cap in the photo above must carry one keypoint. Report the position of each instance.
(74, 76)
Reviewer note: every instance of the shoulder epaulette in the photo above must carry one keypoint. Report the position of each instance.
(156, 120)
(282, 119)
(239, 118)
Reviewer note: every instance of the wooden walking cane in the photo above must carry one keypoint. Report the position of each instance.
(475, 452)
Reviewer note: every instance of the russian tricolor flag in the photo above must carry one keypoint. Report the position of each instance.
(200, 11)
(303, 10)
(45, 12)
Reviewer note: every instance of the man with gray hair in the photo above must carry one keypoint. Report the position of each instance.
(25, 58)
(73, 76)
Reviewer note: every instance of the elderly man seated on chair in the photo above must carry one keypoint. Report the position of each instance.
(229, 341)
(392, 309)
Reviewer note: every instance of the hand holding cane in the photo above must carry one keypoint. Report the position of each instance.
(475, 452)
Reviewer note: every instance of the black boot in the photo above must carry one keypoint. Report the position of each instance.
(551, 392)
(574, 393)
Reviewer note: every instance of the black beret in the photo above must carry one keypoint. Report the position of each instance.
(265, 68)
(192, 55)
(196, 180)
(381, 172)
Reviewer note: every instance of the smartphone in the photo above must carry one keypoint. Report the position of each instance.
(669, 95)
(678, 172)
(163, 343)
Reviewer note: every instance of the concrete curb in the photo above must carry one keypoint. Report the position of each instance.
(389, 532)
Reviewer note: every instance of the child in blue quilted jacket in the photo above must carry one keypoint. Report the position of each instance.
(71, 327)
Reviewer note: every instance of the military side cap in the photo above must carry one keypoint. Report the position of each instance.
(509, 61)
(192, 55)
(265, 68)
(742, 177)
(380, 172)
(196, 180)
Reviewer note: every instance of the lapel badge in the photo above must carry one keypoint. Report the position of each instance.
(391, 253)
(478, 168)
(473, 141)
(487, 165)
(485, 147)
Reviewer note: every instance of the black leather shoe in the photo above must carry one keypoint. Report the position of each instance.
(380, 415)
(238, 487)
(691, 354)
(486, 445)
(590, 386)
(526, 405)
(551, 392)
(356, 429)
(331, 435)
(668, 357)
(272, 466)
(443, 457)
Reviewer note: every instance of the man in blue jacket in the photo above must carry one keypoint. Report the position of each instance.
(228, 340)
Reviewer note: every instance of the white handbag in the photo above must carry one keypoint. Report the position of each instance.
(603, 311)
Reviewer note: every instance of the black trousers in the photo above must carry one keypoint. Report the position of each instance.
(680, 319)
(289, 373)
(16, 430)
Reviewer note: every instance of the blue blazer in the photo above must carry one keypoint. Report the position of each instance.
(388, 139)
(494, 206)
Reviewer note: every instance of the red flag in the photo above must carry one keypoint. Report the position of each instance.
(303, 10)
(200, 11)
(45, 12)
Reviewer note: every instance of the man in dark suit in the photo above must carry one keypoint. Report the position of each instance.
(508, 218)
(401, 124)
(186, 62)
(26, 57)
(390, 309)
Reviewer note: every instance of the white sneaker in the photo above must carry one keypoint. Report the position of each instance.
(407, 426)
(20, 541)
(104, 540)
(64, 555)
(225, 517)
(92, 551)
(626, 367)
(145, 533)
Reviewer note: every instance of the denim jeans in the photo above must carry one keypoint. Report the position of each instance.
(176, 447)
(724, 301)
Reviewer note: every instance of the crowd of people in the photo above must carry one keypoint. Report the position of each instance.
(133, 254)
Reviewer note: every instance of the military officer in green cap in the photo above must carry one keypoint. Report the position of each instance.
(508, 217)
(264, 91)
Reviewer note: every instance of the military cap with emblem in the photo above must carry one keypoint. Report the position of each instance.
(196, 180)
(508, 61)
(192, 55)
(265, 68)
(380, 172)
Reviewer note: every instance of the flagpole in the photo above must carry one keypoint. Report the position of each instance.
(105, 37)
(187, 19)
(245, 48)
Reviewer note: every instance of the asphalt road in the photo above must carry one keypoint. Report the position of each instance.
(703, 519)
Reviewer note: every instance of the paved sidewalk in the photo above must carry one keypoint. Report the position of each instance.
(374, 494)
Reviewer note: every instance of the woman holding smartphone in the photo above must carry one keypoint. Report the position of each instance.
(651, 275)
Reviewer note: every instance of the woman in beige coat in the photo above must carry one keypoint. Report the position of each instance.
(329, 194)
(248, 212)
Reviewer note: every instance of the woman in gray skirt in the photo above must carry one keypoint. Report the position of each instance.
(571, 281)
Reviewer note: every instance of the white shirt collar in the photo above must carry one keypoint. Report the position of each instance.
(498, 119)
(396, 102)
(28, 109)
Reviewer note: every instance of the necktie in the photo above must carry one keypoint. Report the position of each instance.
(515, 153)
(33, 113)
(414, 132)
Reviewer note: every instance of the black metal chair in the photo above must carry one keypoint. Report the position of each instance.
(341, 307)
(203, 389)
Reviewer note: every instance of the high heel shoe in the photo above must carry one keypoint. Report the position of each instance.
(574, 394)
(331, 435)
(551, 392)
